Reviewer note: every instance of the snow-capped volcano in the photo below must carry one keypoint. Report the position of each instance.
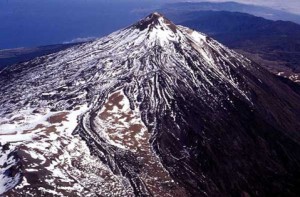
(154, 109)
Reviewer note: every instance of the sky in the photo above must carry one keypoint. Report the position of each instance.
(292, 6)
(28, 23)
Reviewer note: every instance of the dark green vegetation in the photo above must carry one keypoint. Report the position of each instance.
(265, 12)
(273, 40)
(13, 56)
(273, 44)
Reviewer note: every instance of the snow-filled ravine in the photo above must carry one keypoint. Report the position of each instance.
(153, 109)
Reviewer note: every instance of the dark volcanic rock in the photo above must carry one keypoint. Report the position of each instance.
(219, 123)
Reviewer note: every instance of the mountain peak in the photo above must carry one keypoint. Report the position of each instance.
(150, 96)
(156, 14)
(155, 19)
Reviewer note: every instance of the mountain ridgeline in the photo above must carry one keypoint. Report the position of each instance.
(168, 111)
(277, 41)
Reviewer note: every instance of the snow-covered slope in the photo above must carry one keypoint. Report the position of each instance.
(153, 109)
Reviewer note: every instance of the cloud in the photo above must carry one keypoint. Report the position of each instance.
(76, 40)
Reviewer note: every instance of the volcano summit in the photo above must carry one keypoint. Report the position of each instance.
(154, 109)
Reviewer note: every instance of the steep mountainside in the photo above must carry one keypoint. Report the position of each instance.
(275, 45)
(154, 109)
